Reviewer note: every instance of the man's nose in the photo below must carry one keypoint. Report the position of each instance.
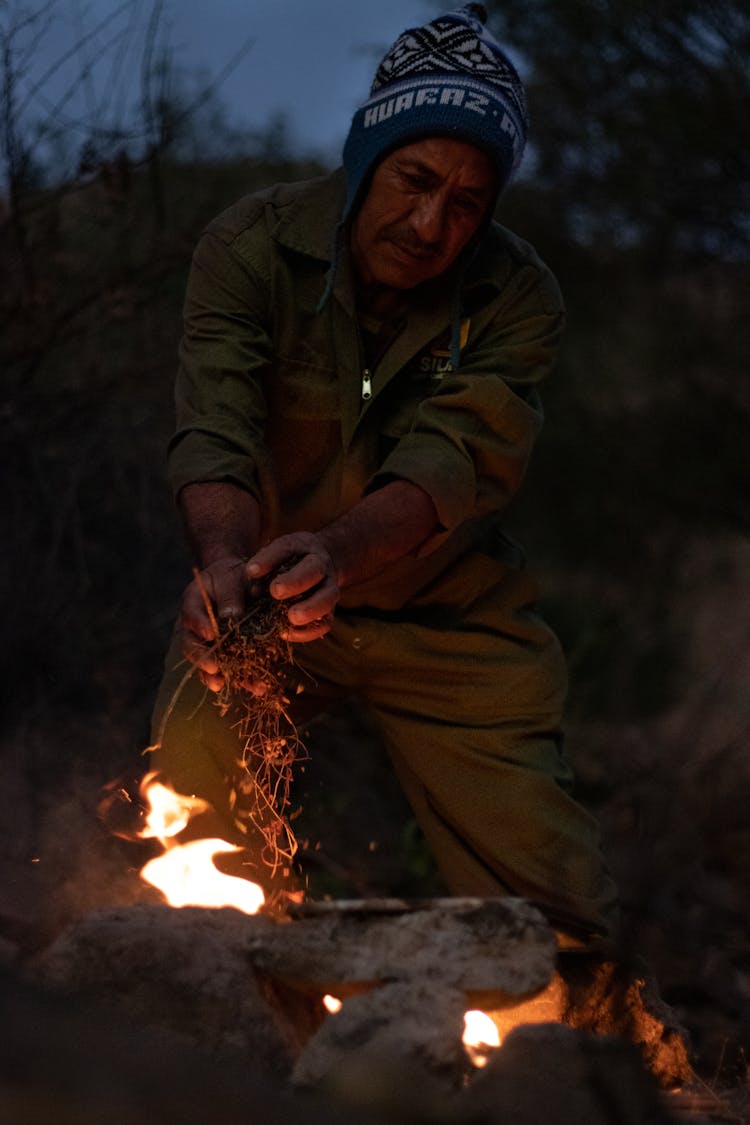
(427, 218)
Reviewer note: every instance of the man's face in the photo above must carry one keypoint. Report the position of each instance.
(426, 201)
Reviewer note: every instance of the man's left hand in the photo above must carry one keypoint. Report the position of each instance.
(314, 573)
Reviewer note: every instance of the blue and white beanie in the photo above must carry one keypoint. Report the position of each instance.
(448, 78)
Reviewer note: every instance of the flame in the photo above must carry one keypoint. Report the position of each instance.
(480, 1037)
(332, 1004)
(168, 812)
(185, 873)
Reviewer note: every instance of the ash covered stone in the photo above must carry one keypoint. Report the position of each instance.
(185, 972)
(413, 1023)
(230, 983)
(227, 981)
(489, 948)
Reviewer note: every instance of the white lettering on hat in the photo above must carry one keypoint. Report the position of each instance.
(477, 102)
(448, 95)
(451, 96)
(381, 112)
(427, 96)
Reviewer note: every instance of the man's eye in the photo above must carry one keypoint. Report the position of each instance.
(467, 206)
(416, 182)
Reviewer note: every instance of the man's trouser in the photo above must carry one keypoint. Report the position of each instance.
(467, 688)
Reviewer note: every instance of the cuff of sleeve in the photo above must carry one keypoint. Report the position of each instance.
(197, 458)
(442, 471)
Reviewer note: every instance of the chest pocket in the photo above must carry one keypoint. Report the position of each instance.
(302, 383)
(303, 391)
(303, 430)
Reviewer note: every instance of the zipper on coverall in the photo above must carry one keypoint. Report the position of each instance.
(366, 384)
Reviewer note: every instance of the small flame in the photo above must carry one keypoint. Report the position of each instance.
(332, 1004)
(480, 1037)
(168, 812)
(185, 873)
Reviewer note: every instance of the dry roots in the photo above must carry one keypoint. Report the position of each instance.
(252, 653)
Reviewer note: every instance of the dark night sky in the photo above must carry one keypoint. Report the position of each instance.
(311, 59)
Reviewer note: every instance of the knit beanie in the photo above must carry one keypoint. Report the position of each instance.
(449, 78)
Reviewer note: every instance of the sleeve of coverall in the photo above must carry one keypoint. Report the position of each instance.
(468, 444)
(221, 409)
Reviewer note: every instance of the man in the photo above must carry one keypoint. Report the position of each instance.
(358, 391)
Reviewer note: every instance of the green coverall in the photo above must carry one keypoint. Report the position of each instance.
(464, 680)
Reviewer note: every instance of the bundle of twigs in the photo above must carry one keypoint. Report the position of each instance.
(258, 669)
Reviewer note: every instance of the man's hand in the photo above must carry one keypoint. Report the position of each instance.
(380, 529)
(226, 585)
(222, 523)
(314, 574)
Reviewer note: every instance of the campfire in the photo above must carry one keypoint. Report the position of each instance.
(459, 995)
(252, 651)
(443, 986)
(186, 876)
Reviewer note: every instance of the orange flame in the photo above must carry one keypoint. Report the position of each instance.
(185, 873)
(168, 812)
(480, 1037)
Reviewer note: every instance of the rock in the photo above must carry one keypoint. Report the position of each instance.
(550, 1072)
(495, 950)
(226, 982)
(71, 1062)
(415, 1024)
(186, 972)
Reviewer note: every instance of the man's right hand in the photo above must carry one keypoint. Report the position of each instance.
(226, 585)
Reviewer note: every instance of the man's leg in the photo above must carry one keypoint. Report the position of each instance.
(469, 701)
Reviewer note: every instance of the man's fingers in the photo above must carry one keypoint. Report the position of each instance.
(213, 683)
(268, 558)
(194, 616)
(308, 572)
(309, 632)
(227, 592)
(258, 688)
(311, 579)
(198, 654)
(320, 604)
(311, 564)
(218, 594)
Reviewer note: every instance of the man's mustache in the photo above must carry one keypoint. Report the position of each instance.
(405, 238)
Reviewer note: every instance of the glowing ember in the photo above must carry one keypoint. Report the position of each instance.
(480, 1037)
(185, 874)
(331, 1004)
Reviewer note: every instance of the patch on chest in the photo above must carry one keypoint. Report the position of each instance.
(435, 361)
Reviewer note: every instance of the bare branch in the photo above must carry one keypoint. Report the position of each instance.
(69, 54)
(147, 64)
